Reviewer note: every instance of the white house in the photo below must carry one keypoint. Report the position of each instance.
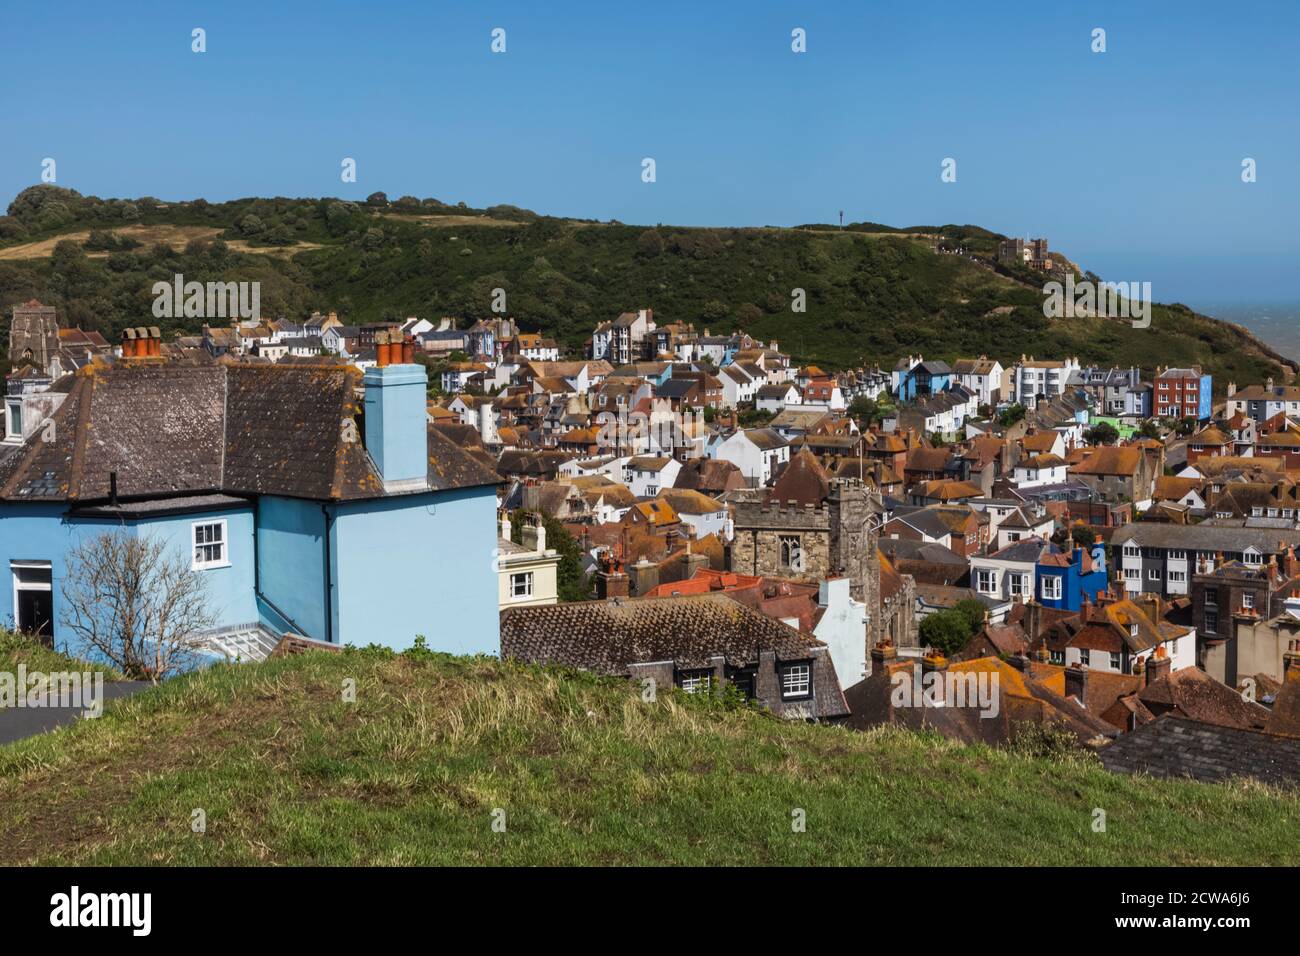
(1022, 523)
(1032, 377)
(1008, 574)
(737, 385)
(702, 514)
(772, 398)
(983, 376)
(647, 476)
(755, 451)
(1040, 470)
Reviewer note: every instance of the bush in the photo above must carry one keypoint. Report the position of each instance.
(946, 631)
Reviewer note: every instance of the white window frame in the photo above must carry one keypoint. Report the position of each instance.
(992, 579)
(1052, 587)
(223, 561)
(796, 680)
(1248, 600)
(697, 681)
(15, 567)
(13, 412)
(527, 578)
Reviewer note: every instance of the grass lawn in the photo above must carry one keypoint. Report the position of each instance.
(16, 649)
(287, 772)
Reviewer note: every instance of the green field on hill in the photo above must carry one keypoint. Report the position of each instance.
(573, 769)
(873, 294)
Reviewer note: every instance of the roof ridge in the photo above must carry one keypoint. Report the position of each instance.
(79, 439)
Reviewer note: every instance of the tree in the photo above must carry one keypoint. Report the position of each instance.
(1083, 536)
(974, 612)
(1102, 433)
(1149, 429)
(137, 602)
(1011, 414)
(946, 631)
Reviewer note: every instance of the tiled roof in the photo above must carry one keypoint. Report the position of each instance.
(240, 429)
(608, 636)
(1110, 460)
(1174, 746)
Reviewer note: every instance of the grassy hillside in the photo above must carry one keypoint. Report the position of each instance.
(16, 649)
(585, 772)
(874, 293)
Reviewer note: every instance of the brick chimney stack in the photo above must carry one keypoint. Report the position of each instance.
(1158, 665)
(882, 655)
(611, 581)
(1076, 683)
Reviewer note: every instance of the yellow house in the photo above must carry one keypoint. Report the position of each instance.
(526, 573)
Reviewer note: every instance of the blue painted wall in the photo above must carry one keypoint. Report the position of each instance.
(45, 533)
(396, 412)
(1075, 584)
(291, 565)
(417, 564)
(1207, 398)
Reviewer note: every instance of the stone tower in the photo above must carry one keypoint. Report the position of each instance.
(33, 335)
(855, 516)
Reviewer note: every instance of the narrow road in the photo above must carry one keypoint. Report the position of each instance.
(19, 722)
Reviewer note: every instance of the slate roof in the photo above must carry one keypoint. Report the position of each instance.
(1174, 746)
(1205, 537)
(239, 429)
(607, 637)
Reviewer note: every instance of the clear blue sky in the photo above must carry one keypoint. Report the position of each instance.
(1128, 161)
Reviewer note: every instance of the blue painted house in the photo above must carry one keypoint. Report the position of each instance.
(924, 378)
(1065, 578)
(303, 512)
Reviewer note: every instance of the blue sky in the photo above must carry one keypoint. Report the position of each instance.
(1129, 161)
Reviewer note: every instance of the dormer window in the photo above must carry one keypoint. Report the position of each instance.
(14, 421)
(796, 681)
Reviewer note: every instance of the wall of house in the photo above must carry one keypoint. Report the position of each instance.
(418, 564)
(44, 532)
(291, 559)
(843, 628)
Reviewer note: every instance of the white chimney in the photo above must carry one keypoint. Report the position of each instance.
(505, 525)
(487, 426)
(541, 536)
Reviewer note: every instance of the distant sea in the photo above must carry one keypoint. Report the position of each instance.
(1276, 325)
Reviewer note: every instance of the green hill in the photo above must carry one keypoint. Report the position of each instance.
(416, 770)
(873, 292)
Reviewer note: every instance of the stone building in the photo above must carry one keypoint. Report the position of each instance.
(809, 527)
(33, 335)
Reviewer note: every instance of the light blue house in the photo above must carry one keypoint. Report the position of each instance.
(924, 378)
(302, 513)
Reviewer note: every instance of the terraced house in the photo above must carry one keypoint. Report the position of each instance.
(301, 511)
